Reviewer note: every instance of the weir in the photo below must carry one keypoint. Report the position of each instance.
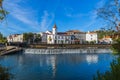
(65, 51)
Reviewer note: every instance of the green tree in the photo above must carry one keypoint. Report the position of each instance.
(112, 74)
(4, 74)
(37, 38)
(116, 46)
(31, 38)
(102, 33)
(3, 12)
(2, 38)
(110, 12)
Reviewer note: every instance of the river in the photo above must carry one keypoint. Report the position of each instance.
(56, 66)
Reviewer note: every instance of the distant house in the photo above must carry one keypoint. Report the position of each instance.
(80, 37)
(43, 37)
(68, 37)
(15, 38)
(91, 37)
(106, 40)
(55, 37)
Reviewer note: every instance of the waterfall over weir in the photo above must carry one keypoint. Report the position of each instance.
(65, 51)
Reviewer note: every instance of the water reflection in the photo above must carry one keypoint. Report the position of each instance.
(56, 67)
(51, 61)
(91, 59)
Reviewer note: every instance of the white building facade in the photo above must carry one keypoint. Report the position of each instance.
(91, 36)
(58, 37)
(44, 36)
(106, 40)
(79, 36)
(15, 38)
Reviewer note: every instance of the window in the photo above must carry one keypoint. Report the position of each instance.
(55, 37)
(62, 37)
(58, 37)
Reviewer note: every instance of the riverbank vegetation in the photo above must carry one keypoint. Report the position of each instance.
(116, 46)
(103, 32)
(2, 38)
(112, 74)
(4, 72)
(110, 12)
(31, 38)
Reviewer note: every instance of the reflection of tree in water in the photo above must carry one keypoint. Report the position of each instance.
(112, 74)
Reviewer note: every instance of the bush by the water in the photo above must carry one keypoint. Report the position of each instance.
(116, 46)
(5, 74)
(113, 74)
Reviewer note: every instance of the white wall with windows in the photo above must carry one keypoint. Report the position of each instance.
(15, 38)
(58, 39)
(91, 36)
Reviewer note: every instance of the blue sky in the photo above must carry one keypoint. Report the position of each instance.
(41, 15)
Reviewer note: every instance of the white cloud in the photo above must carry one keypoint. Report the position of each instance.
(11, 29)
(46, 21)
(25, 15)
(93, 23)
(75, 15)
(69, 12)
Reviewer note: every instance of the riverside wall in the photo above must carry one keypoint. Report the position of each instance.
(66, 51)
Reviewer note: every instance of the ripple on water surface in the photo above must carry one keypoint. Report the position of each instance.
(56, 67)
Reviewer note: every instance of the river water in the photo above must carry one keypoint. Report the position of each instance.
(56, 67)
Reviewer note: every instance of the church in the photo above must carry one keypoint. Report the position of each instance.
(59, 37)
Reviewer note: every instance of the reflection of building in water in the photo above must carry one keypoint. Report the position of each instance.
(20, 60)
(52, 62)
(92, 59)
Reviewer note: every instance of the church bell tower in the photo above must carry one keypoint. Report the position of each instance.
(54, 31)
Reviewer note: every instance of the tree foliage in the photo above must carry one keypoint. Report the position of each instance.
(2, 38)
(37, 38)
(113, 74)
(111, 13)
(102, 33)
(31, 37)
(4, 74)
(116, 46)
(27, 36)
(3, 12)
